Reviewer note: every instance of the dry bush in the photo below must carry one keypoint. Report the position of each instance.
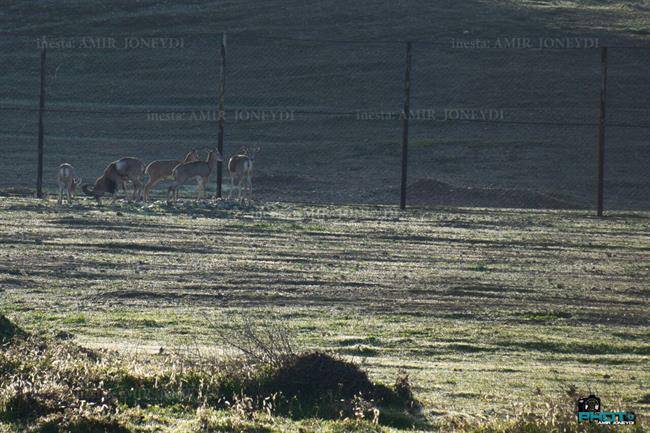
(266, 344)
(301, 384)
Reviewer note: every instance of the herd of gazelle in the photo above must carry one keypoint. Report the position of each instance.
(128, 169)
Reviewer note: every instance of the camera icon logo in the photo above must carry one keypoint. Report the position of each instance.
(590, 403)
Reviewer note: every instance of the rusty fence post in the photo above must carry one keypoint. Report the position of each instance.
(405, 126)
(601, 130)
(222, 114)
(41, 109)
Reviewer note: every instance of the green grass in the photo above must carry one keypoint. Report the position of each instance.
(481, 307)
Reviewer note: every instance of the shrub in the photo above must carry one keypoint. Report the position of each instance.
(310, 383)
(8, 330)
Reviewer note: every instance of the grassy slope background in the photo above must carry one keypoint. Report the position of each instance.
(332, 159)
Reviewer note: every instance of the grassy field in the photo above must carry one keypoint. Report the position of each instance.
(483, 308)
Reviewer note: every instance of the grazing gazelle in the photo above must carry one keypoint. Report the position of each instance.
(162, 169)
(68, 181)
(116, 174)
(199, 170)
(240, 167)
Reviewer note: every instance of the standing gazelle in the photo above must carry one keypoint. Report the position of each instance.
(199, 170)
(240, 167)
(68, 181)
(162, 169)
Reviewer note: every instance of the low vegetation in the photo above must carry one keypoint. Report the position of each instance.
(48, 385)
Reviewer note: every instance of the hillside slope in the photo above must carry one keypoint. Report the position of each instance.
(340, 157)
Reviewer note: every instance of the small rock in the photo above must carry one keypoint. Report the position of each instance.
(63, 335)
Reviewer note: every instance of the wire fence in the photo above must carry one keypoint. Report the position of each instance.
(506, 123)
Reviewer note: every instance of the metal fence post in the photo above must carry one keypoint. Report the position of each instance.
(222, 114)
(41, 108)
(405, 125)
(601, 130)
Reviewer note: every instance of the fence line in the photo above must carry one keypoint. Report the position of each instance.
(347, 114)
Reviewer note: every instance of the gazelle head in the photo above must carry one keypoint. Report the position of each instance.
(104, 184)
(214, 156)
(250, 153)
(254, 153)
(76, 181)
(192, 155)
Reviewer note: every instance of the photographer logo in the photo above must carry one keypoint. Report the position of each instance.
(589, 409)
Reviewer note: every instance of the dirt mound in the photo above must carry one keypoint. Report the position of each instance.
(8, 330)
(434, 192)
(314, 375)
(317, 384)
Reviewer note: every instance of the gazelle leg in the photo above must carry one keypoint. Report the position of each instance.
(232, 186)
(145, 194)
(150, 184)
(175, 186)
(206, 182)
(121, 185)
(239, 187)
(199, 188)
(140, 189)
(171, 192)
(60, 200)
(135, 191)
(137, 188)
